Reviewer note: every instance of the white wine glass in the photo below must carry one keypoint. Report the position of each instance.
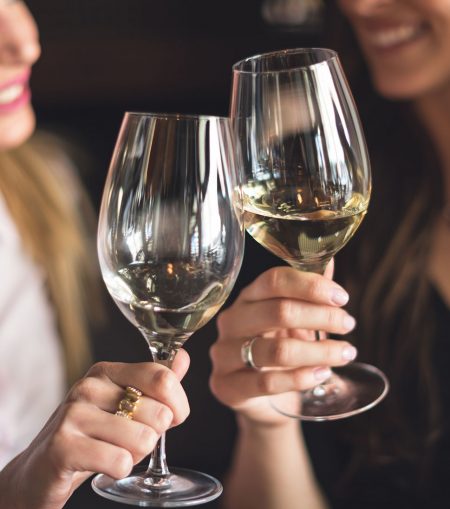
(170, 244)
(306, 188)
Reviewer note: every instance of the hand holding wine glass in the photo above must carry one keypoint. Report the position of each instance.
(170, 244)
(306, 186)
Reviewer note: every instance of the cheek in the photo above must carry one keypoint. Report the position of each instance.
(16, 128)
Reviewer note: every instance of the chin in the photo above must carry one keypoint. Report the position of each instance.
(16, 128)
(398, 92)
(407, 87)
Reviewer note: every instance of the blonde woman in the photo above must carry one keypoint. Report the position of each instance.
(47, 276)
(45, 251)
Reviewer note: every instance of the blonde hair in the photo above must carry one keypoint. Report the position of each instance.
(53, 217)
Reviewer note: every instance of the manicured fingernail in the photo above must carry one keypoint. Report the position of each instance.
(339, 297)
(349, 353)
(349, 322)
(321, 374)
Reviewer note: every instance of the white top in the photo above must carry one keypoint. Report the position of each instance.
(32, 379)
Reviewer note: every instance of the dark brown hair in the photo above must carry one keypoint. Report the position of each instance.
(385, 269)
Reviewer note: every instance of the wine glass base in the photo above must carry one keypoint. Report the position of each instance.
(351, 390)
(185, 488)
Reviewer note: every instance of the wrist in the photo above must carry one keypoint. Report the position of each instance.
(284, 425)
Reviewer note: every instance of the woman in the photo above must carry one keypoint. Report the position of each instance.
(397, 272)
(46, 280)
(45, 247)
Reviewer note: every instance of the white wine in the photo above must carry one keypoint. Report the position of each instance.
(305, 236)
(167, 300)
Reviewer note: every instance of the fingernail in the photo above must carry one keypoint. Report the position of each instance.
(339, 297)
(322, 374)
(349, 353)
(349, 322)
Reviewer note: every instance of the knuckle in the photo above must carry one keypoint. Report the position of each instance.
(221, 321)
(213, 352)
(280, 352)
(282, 311)
(122, 464)
(164, 417)
(299, 379)
(99, 369)
(164, 381)
(145, 441)
(266, 382)
(215, 385)
(84, 389)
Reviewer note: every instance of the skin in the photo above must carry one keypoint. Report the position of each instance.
(417, 70)
(414, 67)
(271, 467)
(83, 435)
(19, 50)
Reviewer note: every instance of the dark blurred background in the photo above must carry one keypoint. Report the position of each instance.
(103, 57)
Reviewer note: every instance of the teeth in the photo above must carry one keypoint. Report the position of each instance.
(11, 93)
(393, 36)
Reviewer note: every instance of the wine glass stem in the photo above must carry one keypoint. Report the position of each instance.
(158, 474)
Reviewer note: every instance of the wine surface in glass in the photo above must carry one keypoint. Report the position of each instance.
(153, 296)
(304, 235)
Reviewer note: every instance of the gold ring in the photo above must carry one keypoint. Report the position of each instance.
(129, 403)
(247, 354)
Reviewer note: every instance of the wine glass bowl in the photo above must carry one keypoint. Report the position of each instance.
(170, 244)
(307, 183)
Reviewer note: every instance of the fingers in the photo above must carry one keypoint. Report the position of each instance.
(80, 453)
(329, 270)
(286, 282)
(286, 298)
(105, 382)
(181, 363)
(137, 438)
(238, 387)
(250, 318)
(283, 352)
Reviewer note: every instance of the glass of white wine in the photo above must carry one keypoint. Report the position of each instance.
(307, 186)
(170, 244)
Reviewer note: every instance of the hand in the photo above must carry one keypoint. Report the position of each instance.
(84, 436)
(282, 308)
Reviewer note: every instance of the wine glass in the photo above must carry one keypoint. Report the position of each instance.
(170, 244)
(306, 188)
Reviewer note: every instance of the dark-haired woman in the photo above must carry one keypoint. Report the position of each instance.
(397, 272)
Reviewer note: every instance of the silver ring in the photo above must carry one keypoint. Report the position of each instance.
(247, 355)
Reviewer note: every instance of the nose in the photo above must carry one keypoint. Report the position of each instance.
(19, 40)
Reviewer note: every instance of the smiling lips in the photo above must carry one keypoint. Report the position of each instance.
(392, 37)
(14, 94)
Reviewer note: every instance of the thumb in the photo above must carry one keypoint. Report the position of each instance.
(181, 363)
(329, 271)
